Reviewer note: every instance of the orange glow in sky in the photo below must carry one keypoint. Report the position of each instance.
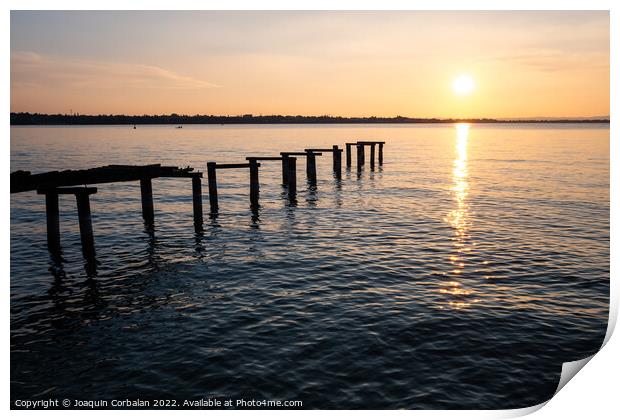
(472, 64)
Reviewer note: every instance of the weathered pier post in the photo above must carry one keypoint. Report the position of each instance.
(285, 161)
(286, 171)
(311, 166)
(348, 147)
(197, 202)
(360, 156)
(52, 184)
(380, 153)
(53, 221)
(337, 159)
(372, 156)
(212, 187)
(310, 155)
(85, 220)
(254, 186)
(253, 165)
(146, 190)
(363, 155)
(292, 178)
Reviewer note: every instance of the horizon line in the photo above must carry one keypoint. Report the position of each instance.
(327, 117)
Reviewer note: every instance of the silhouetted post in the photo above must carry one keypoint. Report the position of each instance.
(254, 182)
(197, 201)
(372, 156)
(311, 167)
(360, 156)
(53, 221)
(337, 158)
(212, 187)
(348, 147)
(285, 171)
(146, 188)
(380, 153)
(363, 154)
(292, 177)
(86, 224)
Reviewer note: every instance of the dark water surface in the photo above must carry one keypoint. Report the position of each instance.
(461, 274)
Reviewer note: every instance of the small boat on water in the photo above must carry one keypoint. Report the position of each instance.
(179, 126)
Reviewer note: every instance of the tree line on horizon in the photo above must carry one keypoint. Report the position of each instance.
(26, 118)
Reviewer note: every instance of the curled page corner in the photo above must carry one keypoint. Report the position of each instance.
(613, 314)
(570, 369)
(520, 412)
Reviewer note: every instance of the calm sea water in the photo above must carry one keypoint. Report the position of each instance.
(461, 274)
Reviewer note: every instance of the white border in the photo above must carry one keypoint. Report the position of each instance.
(592, 395)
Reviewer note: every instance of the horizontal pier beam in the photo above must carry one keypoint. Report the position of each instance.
(232, 165)
(22, 181)
(365, 143)
(323, 150)
(67, 190)
(264, 158)
(299, 153)
(181, 175)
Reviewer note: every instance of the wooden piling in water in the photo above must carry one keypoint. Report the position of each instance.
(53, 221)
(197, 202)
(292, 177)
(337, 161)
(311, 167)
(212, 180)
(146, 190)
(380, 154)
(348, 148)
(363, 155)
(285, 171)
(360, 156)
(85, 221)
(372, 156)
(254, 186)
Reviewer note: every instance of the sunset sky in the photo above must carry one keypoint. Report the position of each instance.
(417, 64)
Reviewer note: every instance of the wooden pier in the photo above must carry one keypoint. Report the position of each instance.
(310, 165)
(212, 168)
(53, 184)
(336, 160)
(289, 169)
(361, 158)
(74, 182)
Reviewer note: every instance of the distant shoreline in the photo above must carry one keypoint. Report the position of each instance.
(24, 118)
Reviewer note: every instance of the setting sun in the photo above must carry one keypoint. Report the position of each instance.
(463, 85)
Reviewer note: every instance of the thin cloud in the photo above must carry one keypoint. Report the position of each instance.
(29, 69)
(553, 61)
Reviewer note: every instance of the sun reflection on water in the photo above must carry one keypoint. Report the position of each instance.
(459, 219)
